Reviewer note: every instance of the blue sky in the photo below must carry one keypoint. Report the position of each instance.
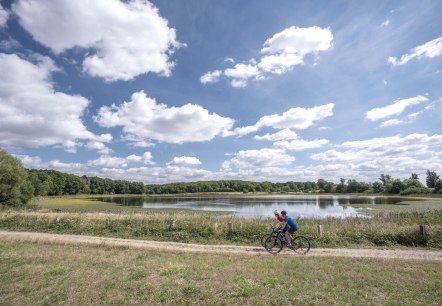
(167, 91)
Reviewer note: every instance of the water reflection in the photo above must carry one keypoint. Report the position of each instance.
(260, 206)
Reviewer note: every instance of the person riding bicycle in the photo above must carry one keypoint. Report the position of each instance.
(289, 226)
(279, 219)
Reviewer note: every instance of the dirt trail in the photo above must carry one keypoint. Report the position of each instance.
(223, 249)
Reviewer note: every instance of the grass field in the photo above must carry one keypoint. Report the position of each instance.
(52, 274)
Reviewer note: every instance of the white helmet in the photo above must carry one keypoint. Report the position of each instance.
(276, 212)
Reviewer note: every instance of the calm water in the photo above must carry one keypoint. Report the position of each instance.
(261, 206)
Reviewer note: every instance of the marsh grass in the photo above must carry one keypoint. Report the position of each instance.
(106, 275)
(394, 229)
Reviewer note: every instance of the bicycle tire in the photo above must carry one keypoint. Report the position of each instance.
(301, 245)
(273, 245)
(263, 239)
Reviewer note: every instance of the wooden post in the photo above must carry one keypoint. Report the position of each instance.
(171, 225)
(422, 230)
(319, 230)
(230, 229)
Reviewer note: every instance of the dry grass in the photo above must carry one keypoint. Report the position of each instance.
(49, 274)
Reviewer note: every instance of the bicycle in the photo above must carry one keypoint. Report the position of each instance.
(276, 241)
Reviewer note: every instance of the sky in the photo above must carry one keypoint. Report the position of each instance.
(173, 91)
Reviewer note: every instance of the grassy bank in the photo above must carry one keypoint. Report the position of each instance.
(400, 229)
(51, 274)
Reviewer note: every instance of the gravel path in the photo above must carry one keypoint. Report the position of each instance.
(432, 255)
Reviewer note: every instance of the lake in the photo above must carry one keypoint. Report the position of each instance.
(260, 206)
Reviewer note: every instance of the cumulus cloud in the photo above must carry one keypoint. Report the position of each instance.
(300, 144)
(143, 120)
(33, 114)
(280, 135)
(4, 15)
(394, 155)
(300, 41)
(122, 39)
(280, 54)
(377, 148)
(241, 73)
(185, 161)
(430, 49)
(394, 109)
(211, 77)
(106, 161)
(295, 118)
(391, 122)
(264, 158)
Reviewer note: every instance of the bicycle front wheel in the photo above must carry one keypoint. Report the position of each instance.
(273, 245)
(301, 245)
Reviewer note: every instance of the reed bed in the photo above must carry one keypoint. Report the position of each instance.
(401, 229)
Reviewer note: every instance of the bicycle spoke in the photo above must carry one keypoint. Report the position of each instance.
(273, 245)
(301, 245)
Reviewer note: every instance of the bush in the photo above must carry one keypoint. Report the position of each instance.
(15, 189)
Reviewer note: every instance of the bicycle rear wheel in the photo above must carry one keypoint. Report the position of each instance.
(264, 238)
(301, 245)
(273, 245)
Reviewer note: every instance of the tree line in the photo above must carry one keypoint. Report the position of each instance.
(18, 185)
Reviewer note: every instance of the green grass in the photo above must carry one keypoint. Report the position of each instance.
(86, 204)
(52, 274)
(390, 225)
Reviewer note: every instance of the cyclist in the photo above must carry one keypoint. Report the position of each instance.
(289, 226)
(279, 218)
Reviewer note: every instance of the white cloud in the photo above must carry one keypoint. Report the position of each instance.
(386, 23)
(253, 159)
(184, 161)
(395, 155)
(240, 73)
(4, 15)
(32, 113)
(35, 162)
(143, 120)
(295, 118)
(430, 49)
(299, 41)
(280, 135)
(280, 54)
(211, 77)
(9, 44)
(123, 39)
(376, 148)
(229, 59)
(391, 122)
(280, 63)
(393, 109)
(300, 144)
(106, 161)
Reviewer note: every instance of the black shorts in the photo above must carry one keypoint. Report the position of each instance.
(291, 230)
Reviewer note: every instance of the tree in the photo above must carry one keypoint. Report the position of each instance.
(385, 178)
(377, 187)
(394, 186)
(432, 179)
(15, 189)
(414, 176)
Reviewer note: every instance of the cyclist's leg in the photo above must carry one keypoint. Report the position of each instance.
(289, 235)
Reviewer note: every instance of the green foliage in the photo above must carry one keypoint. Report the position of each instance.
(432, 179)
(15, 189)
